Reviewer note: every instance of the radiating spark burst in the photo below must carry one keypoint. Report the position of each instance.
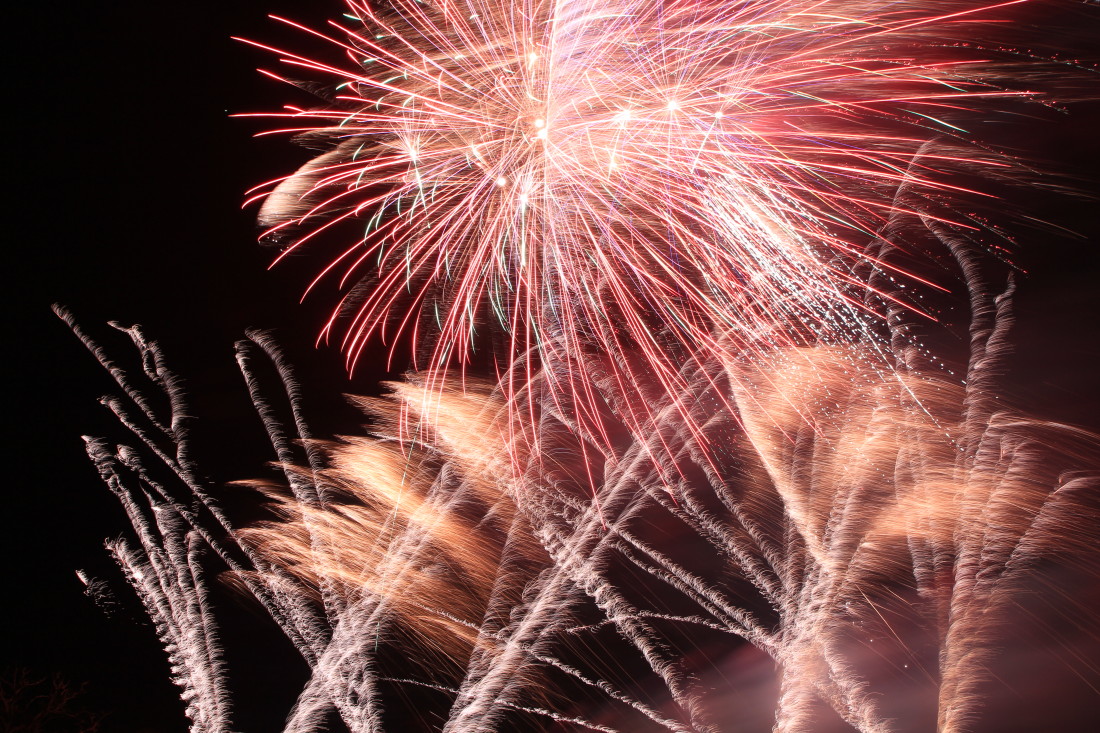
(647, 183)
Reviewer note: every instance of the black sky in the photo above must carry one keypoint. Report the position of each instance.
(129, 173)
(130, 178)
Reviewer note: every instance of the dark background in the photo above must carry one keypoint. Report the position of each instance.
(129, 174)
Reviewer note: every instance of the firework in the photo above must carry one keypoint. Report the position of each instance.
(688, 234)
(873, 532)
(630, 184)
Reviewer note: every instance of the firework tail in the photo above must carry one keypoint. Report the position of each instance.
(848, 494)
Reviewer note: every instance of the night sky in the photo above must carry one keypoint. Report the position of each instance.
(130, 174)
(131, 178)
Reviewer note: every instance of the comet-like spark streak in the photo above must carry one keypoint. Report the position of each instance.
(635, 182)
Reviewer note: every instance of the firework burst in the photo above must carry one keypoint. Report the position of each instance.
(681, 227)
(631, 184)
